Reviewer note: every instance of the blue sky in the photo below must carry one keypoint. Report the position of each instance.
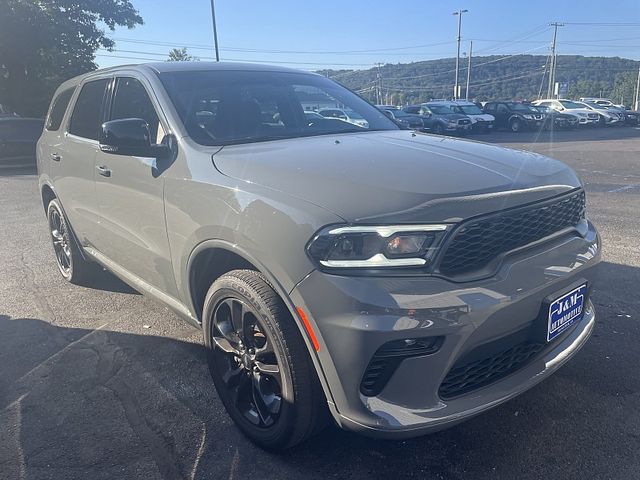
(313, 34)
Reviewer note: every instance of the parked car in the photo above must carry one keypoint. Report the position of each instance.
(396, 283)
(515, 116)
(605, 102)
(585, 116)
(554, 120)
(608, 115)
(631, 117)
(347, 116)
(480, 121)
(18, 137)
(403, 119)
(439, 119)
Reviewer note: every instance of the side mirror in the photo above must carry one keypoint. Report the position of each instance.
(129, 136)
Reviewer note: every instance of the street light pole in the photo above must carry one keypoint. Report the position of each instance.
(636, 106)
(215, 31)
(466, 94)
(459, 14)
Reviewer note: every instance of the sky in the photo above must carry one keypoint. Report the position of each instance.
(342, 34)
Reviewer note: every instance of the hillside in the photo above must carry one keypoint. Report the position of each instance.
(494, 77)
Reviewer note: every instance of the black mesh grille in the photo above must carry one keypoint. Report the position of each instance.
(470, 376)
(479, 241)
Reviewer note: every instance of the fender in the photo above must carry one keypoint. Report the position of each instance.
(277, 286)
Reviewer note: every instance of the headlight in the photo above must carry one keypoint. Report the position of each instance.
(580, 114)
(528, 117)
(376, 246)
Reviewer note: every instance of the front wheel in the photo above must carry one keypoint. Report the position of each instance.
(438, 129)
(515, 126)
(259, 362)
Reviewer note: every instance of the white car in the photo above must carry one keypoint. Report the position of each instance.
(608, 115)
(344, 115)
(585, 116)
(480, 121)
(605, 102)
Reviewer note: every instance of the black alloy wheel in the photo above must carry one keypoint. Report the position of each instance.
(247, 362)
(259, 362)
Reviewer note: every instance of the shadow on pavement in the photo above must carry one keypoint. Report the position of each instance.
(81, 403)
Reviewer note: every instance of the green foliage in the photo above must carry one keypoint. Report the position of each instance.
(494, 78)
(43, 43)
(181, 55)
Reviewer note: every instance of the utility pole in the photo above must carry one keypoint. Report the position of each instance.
(466, 96)
(552, 71)
(379, 98)
(215, 31)
(636, 106)
(459, 14)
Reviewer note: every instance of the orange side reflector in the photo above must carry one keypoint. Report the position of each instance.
(307, 326)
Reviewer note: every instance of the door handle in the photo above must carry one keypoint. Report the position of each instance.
(104, 171)
(56, 157)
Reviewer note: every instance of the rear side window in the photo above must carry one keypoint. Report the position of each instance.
(132, 101)
(86, 120)
(58, 107)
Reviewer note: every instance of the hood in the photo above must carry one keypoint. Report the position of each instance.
(484, 116)
(576, 111)
(398, 176)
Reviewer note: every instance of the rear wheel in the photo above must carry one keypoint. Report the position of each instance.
(259, 362)
(72, 265)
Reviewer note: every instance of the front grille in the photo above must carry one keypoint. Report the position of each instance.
(477, 242)
(470, 376)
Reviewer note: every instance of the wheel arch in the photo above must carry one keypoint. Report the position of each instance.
(233, 257)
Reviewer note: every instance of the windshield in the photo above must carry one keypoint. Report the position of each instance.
(570, 105)
(230, 107)
(442, 110)
(521, 107)
(470, 110)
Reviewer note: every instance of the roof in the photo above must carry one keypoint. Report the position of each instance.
(161, 67)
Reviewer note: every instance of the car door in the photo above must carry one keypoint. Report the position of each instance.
(72, 155)
(130, 195)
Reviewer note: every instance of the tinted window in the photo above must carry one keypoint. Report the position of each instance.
(502, 108)
(227, 107)
(59, 106)
(132, 101)
(86, 120)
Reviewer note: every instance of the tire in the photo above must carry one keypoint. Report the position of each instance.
(249, 334)
(438, 130)
(602, 121)
(515, 126)
(71, 263)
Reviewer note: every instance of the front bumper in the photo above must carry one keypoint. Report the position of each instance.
(354, 316)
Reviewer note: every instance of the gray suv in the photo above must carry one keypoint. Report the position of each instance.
(393, 281)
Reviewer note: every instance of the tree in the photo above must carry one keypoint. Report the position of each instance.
(181, 55)
(46, 42)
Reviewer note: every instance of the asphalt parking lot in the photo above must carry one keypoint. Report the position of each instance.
(105, 383)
